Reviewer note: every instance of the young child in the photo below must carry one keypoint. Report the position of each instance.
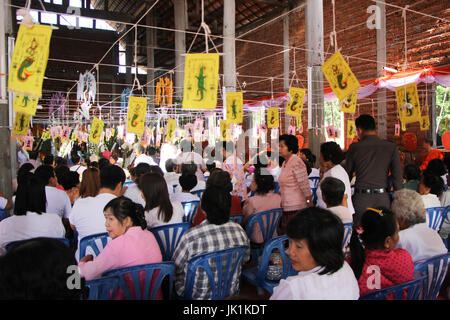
(333, 194)
(431, 187)
(379, 264)
(187, 183)
(411, 173)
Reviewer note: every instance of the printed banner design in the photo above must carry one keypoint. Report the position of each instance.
(339, 75)
(28, 143)
(25, 104)
(73, 136)
(349, 104)
(21, 123)
(273, 119)
(29, 60)
(170, 135)
(424, 123)
(235, 107)
(224, 130)
(137, 108)
(66, 133)
(351, 129)
(46, 135)
(164, 91)
(408, 103)
(397, 130)
(201, 80)
(299, 124)
(295, 106)
(96, 130)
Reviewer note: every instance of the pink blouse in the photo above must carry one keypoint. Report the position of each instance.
(134, 247)
(294, 184)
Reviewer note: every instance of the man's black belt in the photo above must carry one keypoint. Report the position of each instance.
(370, 191)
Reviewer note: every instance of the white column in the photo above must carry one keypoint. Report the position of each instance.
(286, 63)
(151, 41)
(381, 62)
(180, 12)
(229, 47)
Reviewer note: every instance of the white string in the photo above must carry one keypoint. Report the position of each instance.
(333, 36)
(404, 27)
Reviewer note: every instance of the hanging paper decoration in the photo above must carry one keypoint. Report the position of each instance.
(86, 88)
(29, 60)
(408, 103)
(126, 94)
(409, 141)
(424, 123)
(339, 75)
(189, 130)
(351, 129)
(274, 133)
(164, 91)
(235, 107)
(171, 123)
(58, 101)
(25, 104)
(201, 80)
(291, 130)
(137, 108)
(331, 132)
(73, 136)
(56, 132)
(397, 130)
(349, 104)
(46, 135)
(299, 124)
(96, 130)
(224, 130)
(28, 142)
(446, 140)
(21, 123)
(295, 106)
(273, 120)
(66, 132)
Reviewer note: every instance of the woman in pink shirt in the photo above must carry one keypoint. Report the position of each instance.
(132, 243)
(293, 180)
(263, 200)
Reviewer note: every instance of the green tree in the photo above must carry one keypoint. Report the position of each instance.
(442, 108)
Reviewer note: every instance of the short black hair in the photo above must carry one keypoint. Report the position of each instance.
(49, 159)
(187, 181)
(291, 142)
(434, 182)
(30, 195)
(37, 269)
(141, 169)
(411, 172)
(33, 154)
(156, 169)
(151, 151)
(170, 165)
(45, 172)
(436, 167)
(220, 179)
(60, 161)
(188, 168)
(210, 166)
(264, 181)
(75, 158)
(103, 162)
(60, 171)
(447, 161)
(69, 180)
(331, 151)
(365, 122)
(111, 176)
(308, 166)
(333, 191)
(311, 157)
(216, 202)
(428, 140)
(324, 233)
(24, 168)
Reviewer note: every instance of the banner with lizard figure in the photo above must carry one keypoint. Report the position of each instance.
(25, 104)
(235, 107)
(137, 108)
(201, 80)
(21, 123)
(295, 106)
(96, 130)
(273, 119)
(408, 103)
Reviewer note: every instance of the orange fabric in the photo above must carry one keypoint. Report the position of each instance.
(201, 215)
(433, 154)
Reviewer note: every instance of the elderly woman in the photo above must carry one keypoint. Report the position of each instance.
(416, 237)
(293, 180)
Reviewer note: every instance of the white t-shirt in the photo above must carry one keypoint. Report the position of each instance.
(78, 168)
(57, 202)
(337, 172)
(184, 197)
(201, 185)
(143, 158)
(314, 173)
(3, 203)
(430, 201)
(152, 216)
(421, 242)
(193, 157)
(343, 213)
(134, 193)
(172, 179)
(31, 225)
(87, 216)
(309, 285)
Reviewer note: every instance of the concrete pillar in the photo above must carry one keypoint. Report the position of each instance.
(151, 42)
(286, 64)
(180, 12)
(229, 45)
(381, 62)
(314, 59)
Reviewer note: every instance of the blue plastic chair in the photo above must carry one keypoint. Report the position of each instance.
(198, 193)
(347, 235)
(11, 245)
(102, 288)
(236, 218)
(190, 210)
(221, 267)
(316, 181)
(413, 290)
(168, 237)
(277, 187)
(434, 270)
(435, 217)
(164, 269)
(268, 222)
(3, 214)
(91, 241)
(257, 275)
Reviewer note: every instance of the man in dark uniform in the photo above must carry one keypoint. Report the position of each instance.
(371, 159)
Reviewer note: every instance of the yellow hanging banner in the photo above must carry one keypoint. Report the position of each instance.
(273, 119)
(424, 123)
(235, 107)
(25, 104)
(170, 133)
(408, 103)
(46, 135)
(295, 106)
(349, 104)
(339, 75)
(224, 130)
(137, 108)
(201, 80)
(21, 123)
(96, 130)
(29, 60)
(351, 129)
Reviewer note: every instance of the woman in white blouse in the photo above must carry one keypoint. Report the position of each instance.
(330, 158)
(315, 248)
(159, 209)
(431, 187)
